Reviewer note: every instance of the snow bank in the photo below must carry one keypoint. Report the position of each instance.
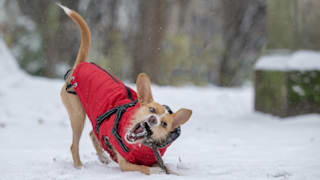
(300, 61)
(8, 62)
(9, 68)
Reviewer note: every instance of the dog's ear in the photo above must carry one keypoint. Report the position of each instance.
(144, 89)
(181, 117)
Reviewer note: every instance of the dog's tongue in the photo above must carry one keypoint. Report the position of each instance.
(138, 130)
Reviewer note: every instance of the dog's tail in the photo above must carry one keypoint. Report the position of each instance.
(85, 35)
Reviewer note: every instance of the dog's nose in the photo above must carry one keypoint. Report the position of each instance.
(152, 120)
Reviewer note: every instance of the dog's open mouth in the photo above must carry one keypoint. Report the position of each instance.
(138, 132)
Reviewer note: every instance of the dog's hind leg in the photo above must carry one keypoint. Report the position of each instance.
(77, 117)
(100, 153)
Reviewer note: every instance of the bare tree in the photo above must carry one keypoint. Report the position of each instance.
(244, 35)
(149, 37)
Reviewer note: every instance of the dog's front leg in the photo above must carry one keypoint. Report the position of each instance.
(126, 166)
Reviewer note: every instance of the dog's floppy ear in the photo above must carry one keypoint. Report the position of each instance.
(181, 117)
(144, 89)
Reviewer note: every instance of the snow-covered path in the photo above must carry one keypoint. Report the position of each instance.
(225, 139)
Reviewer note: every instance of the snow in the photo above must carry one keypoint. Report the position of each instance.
(9, 68)
(225, 138)
(300, 61)
(298, 90)
(9, 65)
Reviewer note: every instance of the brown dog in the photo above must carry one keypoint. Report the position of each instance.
(148, 108)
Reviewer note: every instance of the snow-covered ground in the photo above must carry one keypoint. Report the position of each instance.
(225, 139)
(298, 61)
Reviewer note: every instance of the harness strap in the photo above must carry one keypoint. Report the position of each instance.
(168, 109)
(69, 85)
(119, 110)
(129, 93)
(66, 75)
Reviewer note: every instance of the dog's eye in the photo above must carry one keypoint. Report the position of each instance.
(152, 109)
(163, 124)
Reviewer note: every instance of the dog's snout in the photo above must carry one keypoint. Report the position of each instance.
(152, 120)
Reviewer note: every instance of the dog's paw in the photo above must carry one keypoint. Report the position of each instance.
(156, 170)
(103, 158)
(78, 165)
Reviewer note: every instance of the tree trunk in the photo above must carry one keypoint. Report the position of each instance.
(148, 39)
(243, 35)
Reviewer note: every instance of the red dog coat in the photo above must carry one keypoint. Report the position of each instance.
(100, 92)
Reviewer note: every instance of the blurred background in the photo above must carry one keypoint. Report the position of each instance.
(187, 43)
(175, 42)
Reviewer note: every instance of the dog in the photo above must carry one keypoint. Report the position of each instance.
(121, 127)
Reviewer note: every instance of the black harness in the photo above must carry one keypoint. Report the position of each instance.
(69, 85)
(119, 110)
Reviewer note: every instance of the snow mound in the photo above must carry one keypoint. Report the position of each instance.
(8, 62)
(299, 61)
(9, 69)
